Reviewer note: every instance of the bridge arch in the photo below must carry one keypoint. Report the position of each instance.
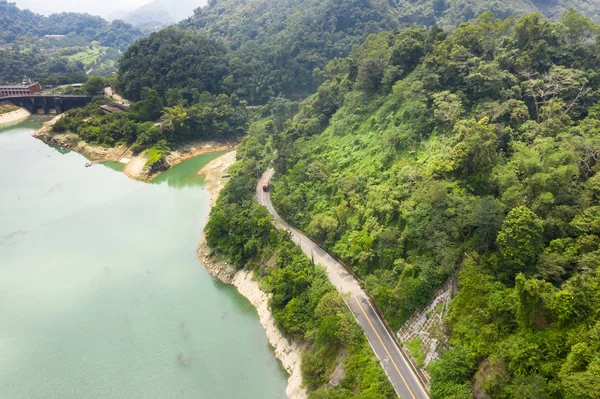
(47, 103)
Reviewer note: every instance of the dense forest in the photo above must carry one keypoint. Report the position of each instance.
(274, 47)
(18, 61)
(427, 155)
(277, 45)
(90, 44)
(451, 13)
(292, 39)
(174, 60)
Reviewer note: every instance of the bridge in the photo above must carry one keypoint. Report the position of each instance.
(46, 103)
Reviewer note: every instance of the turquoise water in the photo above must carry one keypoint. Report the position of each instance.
(101, 291)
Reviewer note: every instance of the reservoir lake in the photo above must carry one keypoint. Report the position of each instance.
(101, 293)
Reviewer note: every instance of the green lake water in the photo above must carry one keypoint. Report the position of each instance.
(101, 291)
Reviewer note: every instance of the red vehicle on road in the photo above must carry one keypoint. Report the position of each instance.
(266, 185)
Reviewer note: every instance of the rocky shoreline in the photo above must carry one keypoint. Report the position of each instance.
(288, 352)
(134, 165)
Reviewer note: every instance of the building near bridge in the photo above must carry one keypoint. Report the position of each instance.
(23, 89)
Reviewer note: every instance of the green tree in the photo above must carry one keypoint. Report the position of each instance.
(476, 149)
(94, 85)
(447, 107)
(533, 298)
(520, 242)
(322, 226)
(149, 107)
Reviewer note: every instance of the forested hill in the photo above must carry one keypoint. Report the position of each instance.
(273, 47)
(252, 17)
(276, 46)
(184, 63)
(428, 154)
(450, 13)
(18, 24)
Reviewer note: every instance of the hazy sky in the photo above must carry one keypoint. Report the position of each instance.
(104, 8)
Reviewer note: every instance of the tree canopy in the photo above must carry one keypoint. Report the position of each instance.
(427, 154)
(174, 59)
(281, 47)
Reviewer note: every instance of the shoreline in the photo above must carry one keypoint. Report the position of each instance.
(8, 119)
(134, 165)
(288, 353)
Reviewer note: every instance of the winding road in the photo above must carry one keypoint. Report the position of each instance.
(396, 366)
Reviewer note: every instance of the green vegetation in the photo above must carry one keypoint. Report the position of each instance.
(85, 44)
(7, 107)
(483, 156)
(451, 13)
(17, 61)
(17, 24)
(213, 117)
(269, 48)
(305, 305)
(277, 44)
(184, 63)
(427, 154)
(414, 347)
(424, 154)
(85, 55)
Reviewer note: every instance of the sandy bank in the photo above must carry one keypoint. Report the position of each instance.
(13, 117)
(193, 149)
(214, 173)
(289, 353)
(135, 165)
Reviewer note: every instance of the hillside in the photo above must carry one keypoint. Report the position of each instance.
(426, 155)
(172, 59)
(273, 47)
(277, 45)
(281, 47)
(78, 43)
(18, 24)
(450, 13)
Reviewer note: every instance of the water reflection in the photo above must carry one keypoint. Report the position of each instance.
(114, 165)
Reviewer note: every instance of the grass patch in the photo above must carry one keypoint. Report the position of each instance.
(7, 109)
(155, 155)
(439, 307)
(87, 55)
(414, 347)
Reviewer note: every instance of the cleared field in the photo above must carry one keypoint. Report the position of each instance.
(87, 56)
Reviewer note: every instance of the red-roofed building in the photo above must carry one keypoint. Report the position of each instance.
(26, 89)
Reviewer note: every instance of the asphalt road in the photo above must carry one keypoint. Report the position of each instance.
(403, 378)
